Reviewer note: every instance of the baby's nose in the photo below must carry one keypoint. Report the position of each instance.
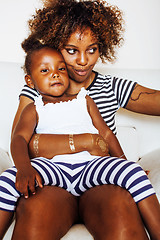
(55, 75)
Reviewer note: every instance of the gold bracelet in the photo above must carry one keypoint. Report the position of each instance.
(71, 143)
(35, 144)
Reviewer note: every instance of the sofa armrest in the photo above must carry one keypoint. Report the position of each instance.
(5, 161)
(151, 163)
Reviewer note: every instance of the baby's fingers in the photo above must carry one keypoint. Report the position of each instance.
(26, 194)
(32, 187)
(23, 189)
(39, 181)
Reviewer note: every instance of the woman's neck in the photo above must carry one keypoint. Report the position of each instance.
(75, 87)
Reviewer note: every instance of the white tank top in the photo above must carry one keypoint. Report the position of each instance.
(69, 117)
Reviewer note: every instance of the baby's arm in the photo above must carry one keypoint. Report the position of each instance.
(115, 149)
(26, 175)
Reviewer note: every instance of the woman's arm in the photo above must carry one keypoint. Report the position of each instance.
(144, 100)
(111, 140)
(50, 145)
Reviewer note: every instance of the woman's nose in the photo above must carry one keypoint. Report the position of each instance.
(82, 59)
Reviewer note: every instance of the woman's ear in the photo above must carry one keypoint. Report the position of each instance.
(29, 81)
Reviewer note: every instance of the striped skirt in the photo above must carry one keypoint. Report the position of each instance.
(79, 177)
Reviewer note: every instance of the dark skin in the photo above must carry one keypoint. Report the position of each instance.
(93, 205)
(49, 76)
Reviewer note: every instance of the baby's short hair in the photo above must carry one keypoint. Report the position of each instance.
(30, 45)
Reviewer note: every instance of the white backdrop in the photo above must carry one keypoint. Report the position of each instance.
(142, 36)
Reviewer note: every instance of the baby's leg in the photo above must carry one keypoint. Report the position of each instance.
(8, 192)
(111, 170)
(8, 199)
(49, 172)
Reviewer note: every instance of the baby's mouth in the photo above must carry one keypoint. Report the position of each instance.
(54, 84)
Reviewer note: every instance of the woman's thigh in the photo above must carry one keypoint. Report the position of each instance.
(109, 212)
(46, 215)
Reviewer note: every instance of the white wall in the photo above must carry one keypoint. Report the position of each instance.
(142, 37)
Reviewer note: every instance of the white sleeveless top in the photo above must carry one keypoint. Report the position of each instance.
(70, 117)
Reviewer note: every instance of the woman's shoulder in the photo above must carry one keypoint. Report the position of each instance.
(113, 79)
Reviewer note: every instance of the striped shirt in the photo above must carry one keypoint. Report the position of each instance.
(109, 93)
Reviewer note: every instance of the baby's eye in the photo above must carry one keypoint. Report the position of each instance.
(71, 50)
(62, 69)
(44, 70)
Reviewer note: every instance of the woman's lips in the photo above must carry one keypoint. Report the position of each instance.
(81, 72)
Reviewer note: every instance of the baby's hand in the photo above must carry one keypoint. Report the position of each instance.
(26, 181)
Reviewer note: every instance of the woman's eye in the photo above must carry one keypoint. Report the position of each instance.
(71, 51)
(92, 50)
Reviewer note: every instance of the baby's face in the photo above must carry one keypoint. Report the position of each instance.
(48, 72)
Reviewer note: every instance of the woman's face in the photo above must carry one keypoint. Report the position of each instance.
(81, 54)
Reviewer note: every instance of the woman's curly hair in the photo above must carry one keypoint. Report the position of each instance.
(58, 19)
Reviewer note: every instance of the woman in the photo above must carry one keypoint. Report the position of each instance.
(83, 32)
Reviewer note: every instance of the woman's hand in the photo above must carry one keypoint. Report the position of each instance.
(26, 181)
(50, 145)
(98, 146)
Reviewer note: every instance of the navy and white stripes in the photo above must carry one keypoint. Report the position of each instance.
(77, 178)
(108, 92)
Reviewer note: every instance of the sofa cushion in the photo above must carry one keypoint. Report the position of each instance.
(12, 80)
(127, 136)
(151, 163)
(5, 161)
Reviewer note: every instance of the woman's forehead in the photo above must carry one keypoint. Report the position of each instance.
(84, 35)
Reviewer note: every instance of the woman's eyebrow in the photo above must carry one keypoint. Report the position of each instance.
(71, 45)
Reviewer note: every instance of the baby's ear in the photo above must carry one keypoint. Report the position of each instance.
(29, 81)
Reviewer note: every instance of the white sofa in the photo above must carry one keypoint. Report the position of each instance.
(139, 135)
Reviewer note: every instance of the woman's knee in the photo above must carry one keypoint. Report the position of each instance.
(110, 209)
(104, 197)
(50, 212)
(47, 200)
